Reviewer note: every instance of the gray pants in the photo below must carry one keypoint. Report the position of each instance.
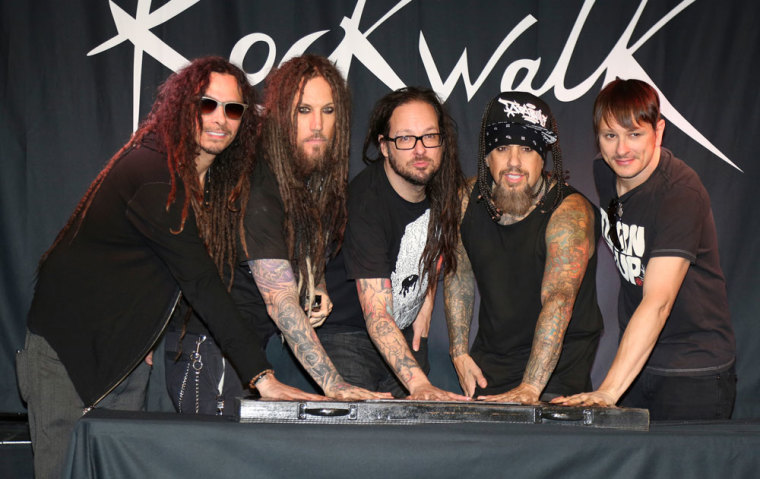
(54, 406)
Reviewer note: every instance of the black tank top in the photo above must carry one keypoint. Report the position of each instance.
(508, 262)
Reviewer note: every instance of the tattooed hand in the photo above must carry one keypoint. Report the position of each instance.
(428, 392)
(270, 388)
(276, 282)
(522, 394)
(346, 392)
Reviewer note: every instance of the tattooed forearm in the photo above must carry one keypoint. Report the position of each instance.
(459, 298)
(376, 298)
(547, 341)
(569, 245)
(276, 282)
(459, 292)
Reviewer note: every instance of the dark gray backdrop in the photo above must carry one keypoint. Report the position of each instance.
(63, 112)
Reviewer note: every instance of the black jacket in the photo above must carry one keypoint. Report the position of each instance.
(104, 295)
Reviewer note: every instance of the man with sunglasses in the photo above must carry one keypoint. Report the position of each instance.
(528, 241)
(149, 230)
(401, 225)
(677, 348)
(294, 209)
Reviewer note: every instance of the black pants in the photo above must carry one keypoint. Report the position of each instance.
(683, 397)
(193, 380)
(358, 361)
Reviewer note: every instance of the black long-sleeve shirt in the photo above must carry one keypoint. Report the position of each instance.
(106, 291)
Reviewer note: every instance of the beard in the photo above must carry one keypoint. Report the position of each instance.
(412, 176)
(514, 201)
(307, 164)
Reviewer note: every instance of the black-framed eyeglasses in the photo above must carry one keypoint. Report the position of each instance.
(233, 110)
(408, 142)
(614, 212)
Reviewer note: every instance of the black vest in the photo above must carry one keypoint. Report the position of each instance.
(508, 262)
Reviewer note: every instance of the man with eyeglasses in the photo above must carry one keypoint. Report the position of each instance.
(150, 228)
(528, 242)
(401, 228)
(677, 348)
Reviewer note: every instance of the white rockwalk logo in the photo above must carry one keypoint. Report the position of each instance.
(356, 44)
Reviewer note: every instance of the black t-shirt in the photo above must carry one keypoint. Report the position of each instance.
(263, 225)
(384, 238)
(670, 215)
(265, 239)
(508, 262)
(264, 217)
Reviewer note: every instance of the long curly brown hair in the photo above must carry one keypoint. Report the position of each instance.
(173, 120)
(315, 206)
(444, 188)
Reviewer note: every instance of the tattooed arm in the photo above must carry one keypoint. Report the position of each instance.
(376, 298)
(276, 282)
(459, 298)
(569, 245)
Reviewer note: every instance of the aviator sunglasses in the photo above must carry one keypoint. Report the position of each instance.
(233, 110)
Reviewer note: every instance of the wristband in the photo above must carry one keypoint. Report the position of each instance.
(259, 377)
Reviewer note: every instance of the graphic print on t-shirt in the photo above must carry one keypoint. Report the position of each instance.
(633, 244)
(408, 286)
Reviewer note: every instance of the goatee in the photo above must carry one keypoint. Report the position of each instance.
(513, 201)
(420, 180)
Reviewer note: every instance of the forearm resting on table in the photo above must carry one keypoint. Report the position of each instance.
(662, 281)
(277, 285)
(376, 298)
(547, 340)
(636, 345)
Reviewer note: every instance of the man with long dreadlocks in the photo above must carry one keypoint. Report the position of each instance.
(402, 222)
(528, 240)
(297, 210)
(139, 238)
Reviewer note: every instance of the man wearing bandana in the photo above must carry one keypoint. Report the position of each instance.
(528, 240)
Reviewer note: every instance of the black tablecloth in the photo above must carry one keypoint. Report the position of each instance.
(109, 444)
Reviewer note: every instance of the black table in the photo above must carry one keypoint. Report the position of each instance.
(110, 444)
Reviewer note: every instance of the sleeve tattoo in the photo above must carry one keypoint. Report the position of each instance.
(569, 245)
(276, 282)
(376, 298)
(459, 294)
(459, 299)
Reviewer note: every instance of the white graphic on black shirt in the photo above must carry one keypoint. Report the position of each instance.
(633, 246)
(409, 285)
